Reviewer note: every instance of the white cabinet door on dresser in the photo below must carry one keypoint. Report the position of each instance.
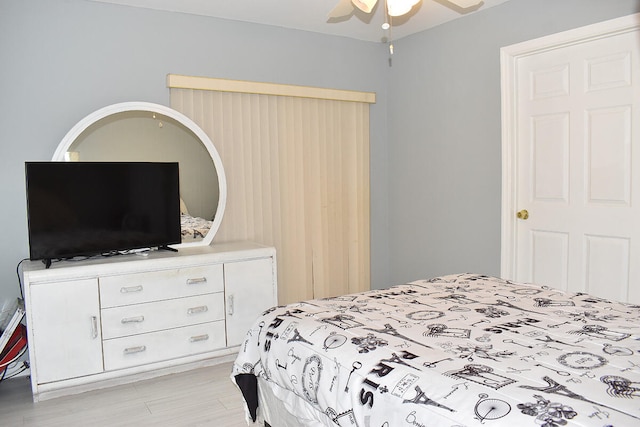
(66, 328)
(247, 293)
(108, 321)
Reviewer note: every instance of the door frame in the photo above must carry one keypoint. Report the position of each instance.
(509, 57)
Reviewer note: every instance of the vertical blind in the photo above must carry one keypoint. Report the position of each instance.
(296, 161)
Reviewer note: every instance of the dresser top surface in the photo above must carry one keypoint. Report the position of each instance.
(146, 261)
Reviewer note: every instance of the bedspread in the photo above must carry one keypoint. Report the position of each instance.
(193, 228)
(459, 350)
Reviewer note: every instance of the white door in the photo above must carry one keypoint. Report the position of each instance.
(68, 342)
(576, 162)
(250, 289)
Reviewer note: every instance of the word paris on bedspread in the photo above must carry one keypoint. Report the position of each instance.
(459, 350)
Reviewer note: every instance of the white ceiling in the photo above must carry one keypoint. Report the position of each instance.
(311, 15)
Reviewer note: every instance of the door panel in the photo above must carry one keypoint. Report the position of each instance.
(549, 260)
(607, 264)
(550, 157)
(249, 290)
(69, 342)
(609, 156)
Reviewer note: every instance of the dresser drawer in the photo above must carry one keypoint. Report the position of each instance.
(160, 285)
(153, 347)
(159, 315)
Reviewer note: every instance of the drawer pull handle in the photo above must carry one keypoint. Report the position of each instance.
(199, 338)
(230, 307)
(130, 289)
(196, 280)
(94, 327)
(195, 310)
(133, 350)
(137, 319)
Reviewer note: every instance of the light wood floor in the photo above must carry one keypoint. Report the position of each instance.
(202, 397)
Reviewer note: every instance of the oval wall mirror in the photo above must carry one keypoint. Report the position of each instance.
(142, 131)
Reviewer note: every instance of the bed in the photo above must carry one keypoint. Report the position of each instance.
(193, 228)
(458, 350)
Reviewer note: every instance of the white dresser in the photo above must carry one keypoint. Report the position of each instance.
(109, 321)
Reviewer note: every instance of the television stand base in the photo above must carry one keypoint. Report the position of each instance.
(46, 262)
(167, 248)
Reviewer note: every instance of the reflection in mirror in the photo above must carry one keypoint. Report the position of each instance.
(145, 134)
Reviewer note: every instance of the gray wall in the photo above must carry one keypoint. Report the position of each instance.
(435, 170)
(63, 59)
(445, 135)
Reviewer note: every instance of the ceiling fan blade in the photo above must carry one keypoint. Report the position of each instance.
(465, 3)
(365, 5)
(342, 9)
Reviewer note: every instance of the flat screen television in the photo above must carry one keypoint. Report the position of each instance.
(100, 208)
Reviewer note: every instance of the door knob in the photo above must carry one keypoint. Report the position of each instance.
(523, 214)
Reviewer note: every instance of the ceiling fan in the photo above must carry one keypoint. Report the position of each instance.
(345, 8)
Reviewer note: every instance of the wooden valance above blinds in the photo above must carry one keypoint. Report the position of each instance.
(177, 81)
(296, 160)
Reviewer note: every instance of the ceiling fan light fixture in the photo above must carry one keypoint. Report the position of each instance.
(364, 5)
(400, 7)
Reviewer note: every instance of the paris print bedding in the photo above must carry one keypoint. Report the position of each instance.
(193, 228)
(459, 350)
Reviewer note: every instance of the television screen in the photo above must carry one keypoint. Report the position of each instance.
(90, 208)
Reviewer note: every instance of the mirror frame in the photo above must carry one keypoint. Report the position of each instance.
(82, 125)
